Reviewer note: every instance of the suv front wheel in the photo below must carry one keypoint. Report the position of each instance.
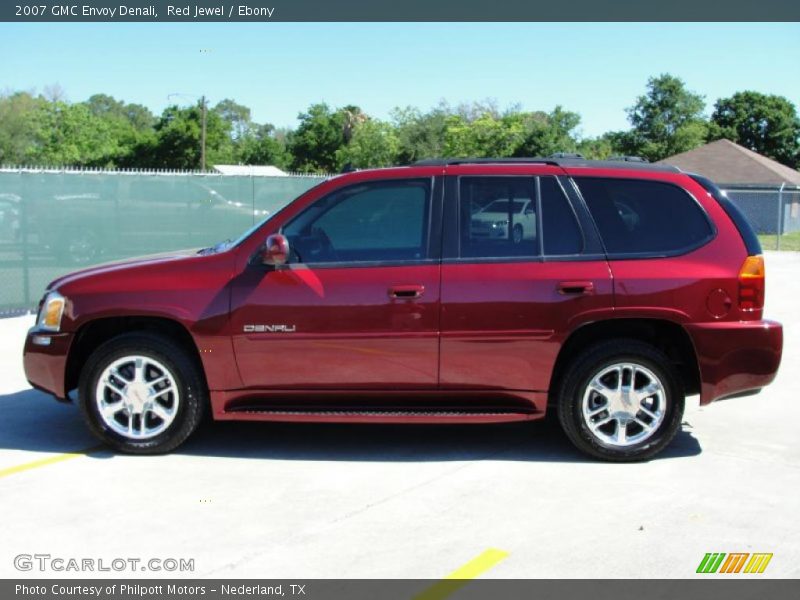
(621, 400)
(142, 394)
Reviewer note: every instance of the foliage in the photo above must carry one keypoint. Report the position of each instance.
(789, 241)
(321, 133)
(103, 131)
(177, 140)
(511, 134)
(261, 146)
(766, 124)
(666, 120)
(372, 143)
(599, 148)
(419, 135)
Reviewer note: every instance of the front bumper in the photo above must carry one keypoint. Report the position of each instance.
(736, 357)
(45, 362)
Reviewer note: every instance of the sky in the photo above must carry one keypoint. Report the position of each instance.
(279, 69)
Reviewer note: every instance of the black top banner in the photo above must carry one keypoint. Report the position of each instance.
(397, 10)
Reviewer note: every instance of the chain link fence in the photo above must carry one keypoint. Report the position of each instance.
(773, 211)
(56, 221)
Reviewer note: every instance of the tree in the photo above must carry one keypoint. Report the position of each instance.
(177, 143)
(262, 147)
(548, 133)
(104, 106)
(71, 135)
(419, 135)
(321, 133)
(599, 148)
(373, 144)
(766, 124)
(513, 133)
(19, 133)
(484, 136)
(129, 125)
(236, 115)
(37, 131)
(666, 120)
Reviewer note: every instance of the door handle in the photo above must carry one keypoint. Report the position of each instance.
(406, 291)
(575, 288)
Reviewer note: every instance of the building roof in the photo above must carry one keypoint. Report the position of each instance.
(725, 162)
(258, 170)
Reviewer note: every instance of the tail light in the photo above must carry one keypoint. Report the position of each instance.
(751, 283)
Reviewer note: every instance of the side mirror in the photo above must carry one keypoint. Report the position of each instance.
(276, 250)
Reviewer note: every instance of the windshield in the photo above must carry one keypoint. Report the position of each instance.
(501, 206)
(232, 243)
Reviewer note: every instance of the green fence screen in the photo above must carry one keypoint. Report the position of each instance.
(52, 223)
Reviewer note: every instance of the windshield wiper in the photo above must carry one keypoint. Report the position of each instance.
(220, 247)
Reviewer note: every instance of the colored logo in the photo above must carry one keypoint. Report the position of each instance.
(734, 562)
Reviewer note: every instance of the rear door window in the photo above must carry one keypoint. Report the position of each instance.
(561, 232)
(498, 217)
(644, 218)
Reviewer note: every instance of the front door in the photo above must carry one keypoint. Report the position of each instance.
(357, 306)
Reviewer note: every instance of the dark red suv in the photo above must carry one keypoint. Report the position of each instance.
(456, 291)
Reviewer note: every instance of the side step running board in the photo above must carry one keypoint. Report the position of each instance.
(378, 416)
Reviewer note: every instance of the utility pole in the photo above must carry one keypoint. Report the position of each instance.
(203, 133)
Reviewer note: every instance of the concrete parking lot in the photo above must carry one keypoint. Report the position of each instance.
(346, 501)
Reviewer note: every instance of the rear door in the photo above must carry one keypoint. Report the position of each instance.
(514, 284)
(657, 236)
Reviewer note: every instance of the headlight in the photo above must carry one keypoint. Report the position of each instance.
(51, 312)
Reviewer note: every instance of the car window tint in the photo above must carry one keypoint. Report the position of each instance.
(644, 217)
(560, 231)
(498, 217)
(382, 221)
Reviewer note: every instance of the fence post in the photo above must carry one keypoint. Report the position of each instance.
(780, 216)
(26, 276)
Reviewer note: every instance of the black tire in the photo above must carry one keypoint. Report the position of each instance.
(188, 378)
(591, 362)
(517, 234)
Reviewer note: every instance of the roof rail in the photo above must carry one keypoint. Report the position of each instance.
(574, 155)
(636, 159)
(573, 160)
(442, 162)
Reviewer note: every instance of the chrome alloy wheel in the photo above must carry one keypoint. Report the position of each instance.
(624, 404)
(137, 397)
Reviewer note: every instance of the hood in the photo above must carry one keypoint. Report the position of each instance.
(125, 264)
(491, 216)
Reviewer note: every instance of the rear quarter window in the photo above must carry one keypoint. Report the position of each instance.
(643, 217)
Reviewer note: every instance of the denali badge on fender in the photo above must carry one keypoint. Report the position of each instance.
(270, 328)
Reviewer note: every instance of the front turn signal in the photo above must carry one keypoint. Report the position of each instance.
(52, 311)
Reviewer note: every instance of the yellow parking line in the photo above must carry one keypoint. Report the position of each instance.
(461, 576)
(48, 461)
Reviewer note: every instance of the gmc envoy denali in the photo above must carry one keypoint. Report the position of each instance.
(448, 291)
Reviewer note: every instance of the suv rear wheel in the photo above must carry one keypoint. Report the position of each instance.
(141, 393)
(621, 400)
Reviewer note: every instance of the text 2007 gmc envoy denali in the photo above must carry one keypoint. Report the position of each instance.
(451, 291)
